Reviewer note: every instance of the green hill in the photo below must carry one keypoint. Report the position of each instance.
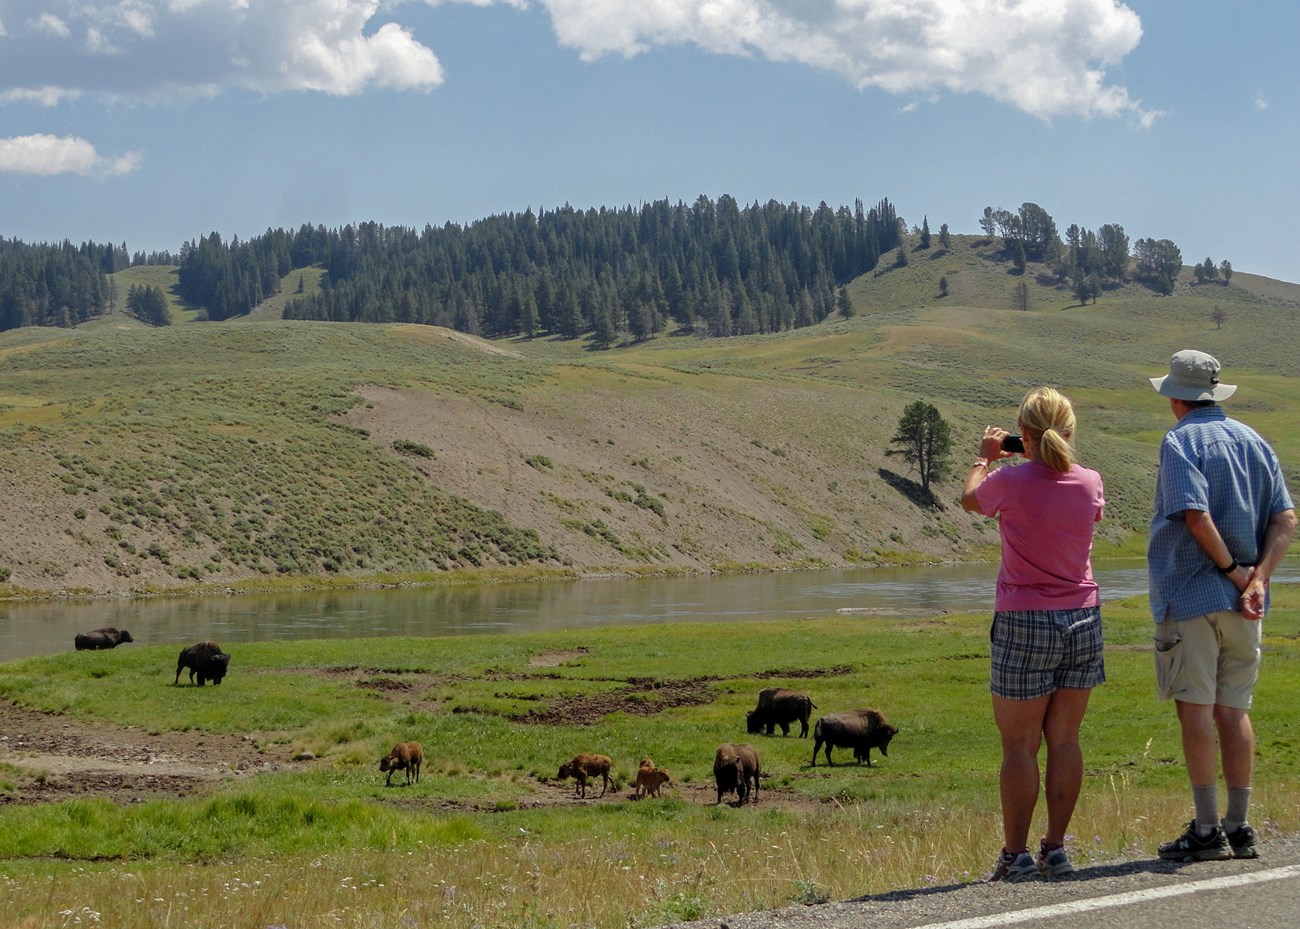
(227, 453)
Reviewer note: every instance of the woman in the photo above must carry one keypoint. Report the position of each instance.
(1046, 635)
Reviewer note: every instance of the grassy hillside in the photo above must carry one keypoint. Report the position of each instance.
(161, 276)
(164, 277)
(223, 454)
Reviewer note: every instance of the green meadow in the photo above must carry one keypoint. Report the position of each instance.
(489, 838)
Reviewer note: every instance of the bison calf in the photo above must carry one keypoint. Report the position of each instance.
(734, 767)
(405, 756)
(107, 637)
(585, 766)
(649, 779)
(780, 707)
(860, 730)
(206, 659)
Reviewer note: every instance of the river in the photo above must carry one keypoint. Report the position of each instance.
(48, 627)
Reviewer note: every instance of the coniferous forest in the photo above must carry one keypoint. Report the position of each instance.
(55, 285)
(713, 268)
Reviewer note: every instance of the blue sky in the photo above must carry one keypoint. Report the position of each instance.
(155, 122)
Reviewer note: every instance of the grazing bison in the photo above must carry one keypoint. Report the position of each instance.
(108, 637)
(780, 707)
(586, 766)
(860, 730)
(734, 767)
(405, 756)
(206, 659)
(649, 779)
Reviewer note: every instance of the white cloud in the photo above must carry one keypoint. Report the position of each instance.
(169, 49)
(50, 24)
(1261, 102)
(48, 155)
(1046, 57)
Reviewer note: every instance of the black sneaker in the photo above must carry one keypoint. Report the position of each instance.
(1242, 842)
(1014, 867)
(1192, 846)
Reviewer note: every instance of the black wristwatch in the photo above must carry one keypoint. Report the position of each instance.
(1229, 569)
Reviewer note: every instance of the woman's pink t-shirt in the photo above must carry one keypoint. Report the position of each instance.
(1046, 520)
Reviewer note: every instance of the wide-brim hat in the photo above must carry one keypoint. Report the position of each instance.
(1193, 376)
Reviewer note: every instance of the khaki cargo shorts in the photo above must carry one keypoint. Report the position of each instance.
(1210, 660)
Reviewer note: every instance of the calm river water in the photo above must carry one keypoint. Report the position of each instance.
(45, 628)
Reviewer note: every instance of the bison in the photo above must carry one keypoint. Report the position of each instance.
(649, 779)
(860, 730)
(405, 756)
(734, 767)
(780, 707)
(583, 766)
(206, 659)
(107, 637)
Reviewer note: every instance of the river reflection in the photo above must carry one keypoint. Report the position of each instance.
(45, 628)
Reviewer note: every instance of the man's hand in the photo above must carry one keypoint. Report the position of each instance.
(1254, 596)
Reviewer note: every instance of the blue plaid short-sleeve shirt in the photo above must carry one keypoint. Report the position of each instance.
(1219, 466)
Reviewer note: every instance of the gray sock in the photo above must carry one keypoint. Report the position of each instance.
(1238, 803)
(1207, 808)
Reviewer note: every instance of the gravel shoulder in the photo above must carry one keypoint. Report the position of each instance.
(902, 909)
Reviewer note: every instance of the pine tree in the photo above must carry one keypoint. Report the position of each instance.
(1020, 296)
(924, 440)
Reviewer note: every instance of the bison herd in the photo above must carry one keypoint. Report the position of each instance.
(736, 768)
(205, 660)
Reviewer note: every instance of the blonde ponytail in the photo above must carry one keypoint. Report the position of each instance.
(1047, 415)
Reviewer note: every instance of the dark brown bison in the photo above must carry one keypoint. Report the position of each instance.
(108, 637)
(206, 659)
(780, 707)
(405, 756)
(586, 766)
(860, 730)
(734, 768)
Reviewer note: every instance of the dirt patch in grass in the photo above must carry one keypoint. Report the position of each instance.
(51, 757)
(638, 699)
(556, 658)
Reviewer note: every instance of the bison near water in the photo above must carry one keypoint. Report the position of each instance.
(584, 766)
(206, 659)
(405, 756)
(780, 707)
(734, 768)
(108, 637)
(860, 730)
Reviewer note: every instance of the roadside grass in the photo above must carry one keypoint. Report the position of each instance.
(471, 846)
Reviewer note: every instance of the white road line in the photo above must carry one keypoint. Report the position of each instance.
(1124, 899)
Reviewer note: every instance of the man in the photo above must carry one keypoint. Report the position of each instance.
(1223, 521)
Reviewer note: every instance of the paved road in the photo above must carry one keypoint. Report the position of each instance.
(1259, 894)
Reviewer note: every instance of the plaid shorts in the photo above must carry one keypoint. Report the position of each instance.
(1036, 652)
